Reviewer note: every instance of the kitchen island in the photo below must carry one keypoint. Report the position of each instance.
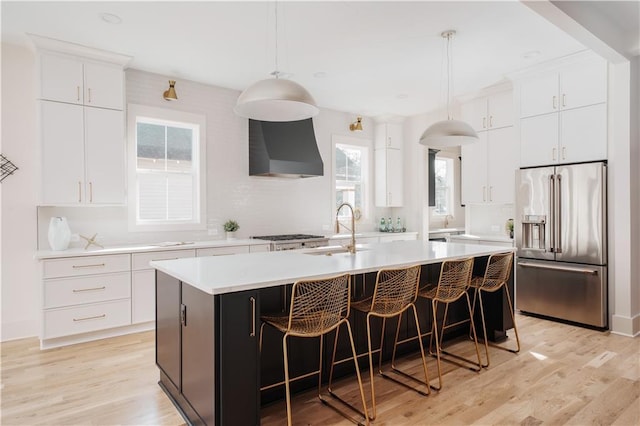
(208, 318)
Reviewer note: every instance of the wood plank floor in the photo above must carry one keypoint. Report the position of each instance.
(563, 375)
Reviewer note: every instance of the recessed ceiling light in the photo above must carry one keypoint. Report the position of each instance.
(531, 54)
(110, 18)
(320, 74)
(402, 96)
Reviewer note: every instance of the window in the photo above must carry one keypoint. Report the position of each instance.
(444, 186)
(166, 177)
(351, 171)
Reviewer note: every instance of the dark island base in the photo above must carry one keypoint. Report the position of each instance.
(207, 346)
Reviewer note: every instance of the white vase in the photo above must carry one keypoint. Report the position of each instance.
(59, 233)
(231, 235)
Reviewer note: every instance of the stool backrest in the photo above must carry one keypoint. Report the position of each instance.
(498, 271)
(455, 279)
(395, 289)
(319, 305)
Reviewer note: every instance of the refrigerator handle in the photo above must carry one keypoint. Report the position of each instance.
(552, 209)
(558, 219)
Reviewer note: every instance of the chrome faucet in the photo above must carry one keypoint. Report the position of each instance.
(446, 220)
(351, 247)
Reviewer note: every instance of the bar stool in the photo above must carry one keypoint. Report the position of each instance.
(495, 278)
(453, 283)
(317, 308)
(396, 291)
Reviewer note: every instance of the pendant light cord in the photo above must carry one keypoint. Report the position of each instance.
(449, 75)
(277, 72)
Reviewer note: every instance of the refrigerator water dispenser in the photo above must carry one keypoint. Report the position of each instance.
(533, 232)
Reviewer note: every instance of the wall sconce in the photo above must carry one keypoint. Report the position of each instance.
(356, 126)
(170, 94)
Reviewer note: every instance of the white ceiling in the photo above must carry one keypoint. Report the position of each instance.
(377, 57)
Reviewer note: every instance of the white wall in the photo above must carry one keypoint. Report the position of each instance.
(20, 272)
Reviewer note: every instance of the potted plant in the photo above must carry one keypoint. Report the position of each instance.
(230, 227)
(510, 227)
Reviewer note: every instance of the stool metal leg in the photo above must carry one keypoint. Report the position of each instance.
(286, 379)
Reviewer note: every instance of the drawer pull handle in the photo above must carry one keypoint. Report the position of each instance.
(170, 258)
(89, 289)
(97, 265)
(90, 318)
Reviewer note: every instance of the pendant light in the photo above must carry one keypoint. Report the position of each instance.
(448, 132)
(276, 99)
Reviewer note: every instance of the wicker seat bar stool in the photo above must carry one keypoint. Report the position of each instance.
(496, 276)
(453, 283)
(395, 292)
(317, 308)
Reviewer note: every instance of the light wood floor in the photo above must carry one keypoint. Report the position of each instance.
(563, 375)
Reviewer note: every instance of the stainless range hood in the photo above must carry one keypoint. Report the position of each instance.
(284, 149)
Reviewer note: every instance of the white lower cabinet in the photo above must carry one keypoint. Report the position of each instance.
(86, 318)
(143, 282)
(85, 294)
(143, 296)
(222, 251)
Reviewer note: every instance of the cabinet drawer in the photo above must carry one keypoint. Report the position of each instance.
(222, 251)
(141, 260)
(260, 248)
(87, 289)
(86, 265)
(86, 318)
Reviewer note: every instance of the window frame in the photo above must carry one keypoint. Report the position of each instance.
(451, 186)
(366, 173)
(165, 116)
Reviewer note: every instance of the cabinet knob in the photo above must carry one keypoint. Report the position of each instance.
(564, 100)
(555, 106)
(491, 121)
(553, 154)
(78, 93)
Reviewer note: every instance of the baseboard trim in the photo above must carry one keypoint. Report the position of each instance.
(96, 335)
(625, 326)
(18, 330)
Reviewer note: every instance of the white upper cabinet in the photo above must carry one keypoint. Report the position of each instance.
(388, 178)
(104, 156)
(489, 166)
(79, 81)
(83, 155)
(490, 112)
(82, 140)
(578, 84)
(62, 142)
(564, 114)
(388, 165)
(388, 135)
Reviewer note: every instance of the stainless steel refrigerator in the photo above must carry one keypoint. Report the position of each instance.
(561, 237)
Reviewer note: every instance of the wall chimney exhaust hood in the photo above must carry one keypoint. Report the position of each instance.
(284, 149)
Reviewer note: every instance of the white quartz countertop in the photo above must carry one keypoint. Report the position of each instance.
(498, 238)
(369, 234)
(136, 248)
(446, 230)
(227, 274)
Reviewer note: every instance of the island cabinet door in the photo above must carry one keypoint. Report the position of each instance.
(198, 364)
(168, 326)
(238, 361)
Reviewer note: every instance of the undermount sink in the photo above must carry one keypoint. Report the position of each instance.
(331, 250)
